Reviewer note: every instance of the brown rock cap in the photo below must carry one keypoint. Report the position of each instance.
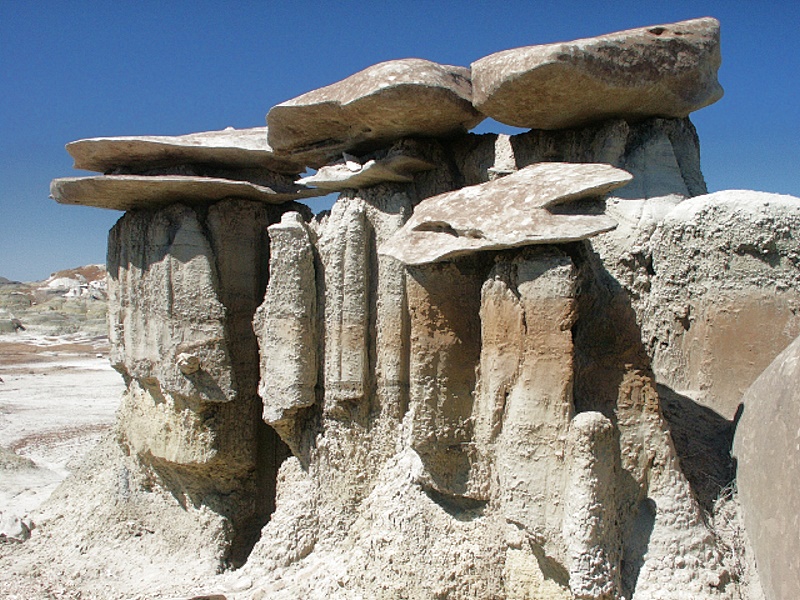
(520, 209)
(237, 148)
(128, 192)
(662, 70)
(385, 102)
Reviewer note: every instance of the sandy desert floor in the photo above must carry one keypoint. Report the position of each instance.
(58, 395)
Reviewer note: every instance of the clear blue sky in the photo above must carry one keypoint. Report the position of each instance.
(76, 69)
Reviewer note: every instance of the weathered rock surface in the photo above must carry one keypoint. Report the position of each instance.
(590, 528)
(229, 148)
(385, 102)
(286, 325)
(664, 71)
(523, 396)
(350, 174)
(724, 294)
(184, 286)
(521, 209)
(130, 192)
(766, 447)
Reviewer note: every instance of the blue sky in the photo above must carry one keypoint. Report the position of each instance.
(77, 69)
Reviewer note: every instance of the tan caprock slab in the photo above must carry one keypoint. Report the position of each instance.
(662, 70)
(516, 210)
(385, 102)
(237, 148)
(128, 192)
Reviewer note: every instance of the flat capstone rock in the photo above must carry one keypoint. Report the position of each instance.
(129, 192)
(658, 71)
(233, 148)
(528, 207)
(385, 102)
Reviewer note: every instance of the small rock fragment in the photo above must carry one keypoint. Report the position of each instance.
(14, 529)
(353, 175)
(188, 363)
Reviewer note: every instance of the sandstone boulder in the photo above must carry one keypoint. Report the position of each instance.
(527, 207)
(766, 446)
(129, 192)
(387, 101)
(239, 148)
(664, 70)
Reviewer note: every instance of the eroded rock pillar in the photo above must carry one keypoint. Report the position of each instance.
(524, 396)
(286, 325)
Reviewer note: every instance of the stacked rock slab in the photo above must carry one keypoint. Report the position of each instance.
(459, 358)
(385, 102)
(518, 210)
(663, 70)
(152, 171)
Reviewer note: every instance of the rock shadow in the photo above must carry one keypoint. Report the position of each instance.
(703, 440)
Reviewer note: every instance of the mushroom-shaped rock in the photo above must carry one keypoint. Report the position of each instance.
(237, 148)
(350, 174)
(128, 192)
(662, 70)
(387, 101)
(521, 209)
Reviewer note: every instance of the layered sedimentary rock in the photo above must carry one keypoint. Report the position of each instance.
(184, 285)
(472, 436)
(387, 101)
(766, 445)
(658, 71)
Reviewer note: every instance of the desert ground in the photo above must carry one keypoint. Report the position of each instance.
(58, 395)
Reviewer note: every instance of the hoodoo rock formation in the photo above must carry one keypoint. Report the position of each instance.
(500, 366)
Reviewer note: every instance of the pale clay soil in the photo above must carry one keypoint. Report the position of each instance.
(58, 397)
